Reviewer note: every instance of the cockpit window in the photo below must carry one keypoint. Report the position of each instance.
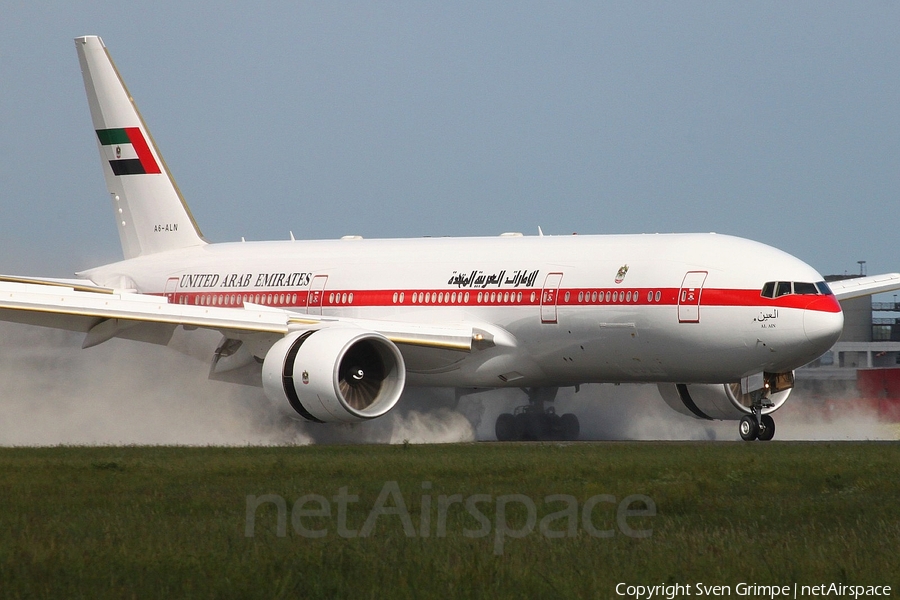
(782, 288)
(805, 288)
(776, 289)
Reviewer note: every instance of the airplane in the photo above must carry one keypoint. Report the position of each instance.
(335, 330)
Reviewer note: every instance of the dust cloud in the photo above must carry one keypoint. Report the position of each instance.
(839, 416)
(125, 392)
(637, 412)
(607, 412)
(122, 392)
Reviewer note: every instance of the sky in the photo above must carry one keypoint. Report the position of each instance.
(773, 121)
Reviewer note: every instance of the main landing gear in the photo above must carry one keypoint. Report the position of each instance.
(757, 426)
(536, 422)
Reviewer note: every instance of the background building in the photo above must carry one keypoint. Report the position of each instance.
(864, 364)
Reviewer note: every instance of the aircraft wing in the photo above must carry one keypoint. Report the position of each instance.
(846, 289)
(103, 313)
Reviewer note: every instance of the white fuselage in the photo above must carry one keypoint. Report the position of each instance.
(681, 308)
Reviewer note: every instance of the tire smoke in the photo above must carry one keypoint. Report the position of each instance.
(125, 392)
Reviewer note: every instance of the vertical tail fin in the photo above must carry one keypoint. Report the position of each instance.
(151, 214)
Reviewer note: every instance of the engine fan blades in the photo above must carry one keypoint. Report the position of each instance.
(361, 375)
(359, 393)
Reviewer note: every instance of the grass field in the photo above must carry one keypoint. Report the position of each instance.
(467, 521)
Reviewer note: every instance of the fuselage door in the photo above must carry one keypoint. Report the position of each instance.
(171, 288)
(316, 294)
(689, 297)
(549, 297)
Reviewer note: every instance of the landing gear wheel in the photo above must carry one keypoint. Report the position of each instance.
(505, 428)
(536, 421)
(549, 426)
(569, 427)
(522, 426)
(749, 429)
(537, 426)
(767, 428)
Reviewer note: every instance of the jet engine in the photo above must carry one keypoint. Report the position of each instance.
(727, 402)
(335, 374)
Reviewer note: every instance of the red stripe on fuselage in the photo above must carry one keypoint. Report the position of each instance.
(725, 297)
(529, 297)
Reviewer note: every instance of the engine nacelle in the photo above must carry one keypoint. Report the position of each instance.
(724, 402)
(335, 374)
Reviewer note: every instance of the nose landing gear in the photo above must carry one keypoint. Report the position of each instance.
(536, 422)
(757, 426)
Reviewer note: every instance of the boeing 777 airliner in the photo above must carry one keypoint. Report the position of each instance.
(335, 329)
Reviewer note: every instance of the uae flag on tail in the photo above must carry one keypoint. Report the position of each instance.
(127, 151)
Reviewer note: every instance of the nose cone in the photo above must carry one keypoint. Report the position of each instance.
(823, 327)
